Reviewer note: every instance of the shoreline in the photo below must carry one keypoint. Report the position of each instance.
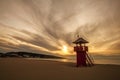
(57, 60)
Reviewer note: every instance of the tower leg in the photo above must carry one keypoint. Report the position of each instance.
(81, 59)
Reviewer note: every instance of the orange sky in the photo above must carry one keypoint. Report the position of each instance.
(50, 26)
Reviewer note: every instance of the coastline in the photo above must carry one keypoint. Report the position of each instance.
(23, 69)
(104, 62)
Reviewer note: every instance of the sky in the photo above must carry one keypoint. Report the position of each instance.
(50, 26)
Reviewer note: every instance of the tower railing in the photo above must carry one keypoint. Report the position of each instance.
(89, 59)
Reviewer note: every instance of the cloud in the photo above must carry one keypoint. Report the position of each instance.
(47, 25)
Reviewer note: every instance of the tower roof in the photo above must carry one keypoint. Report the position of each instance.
(80, 40)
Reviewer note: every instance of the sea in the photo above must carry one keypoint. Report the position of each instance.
(97, 59)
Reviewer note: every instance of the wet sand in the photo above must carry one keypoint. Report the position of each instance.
(23, 69)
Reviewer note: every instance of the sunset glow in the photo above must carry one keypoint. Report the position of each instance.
(65, 49)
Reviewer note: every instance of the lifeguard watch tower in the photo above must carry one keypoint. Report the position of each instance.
(83, 59)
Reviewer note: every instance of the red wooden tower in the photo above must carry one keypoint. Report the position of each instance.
(81, 50)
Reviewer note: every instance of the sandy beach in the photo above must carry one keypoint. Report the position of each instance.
(23, 69)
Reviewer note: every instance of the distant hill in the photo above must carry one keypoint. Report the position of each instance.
(1, 54)
(28, 55)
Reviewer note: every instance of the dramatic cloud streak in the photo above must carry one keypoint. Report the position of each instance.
(46, 26)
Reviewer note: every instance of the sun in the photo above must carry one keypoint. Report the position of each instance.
(65, 49)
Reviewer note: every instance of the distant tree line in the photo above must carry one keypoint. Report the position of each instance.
(26, 55)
